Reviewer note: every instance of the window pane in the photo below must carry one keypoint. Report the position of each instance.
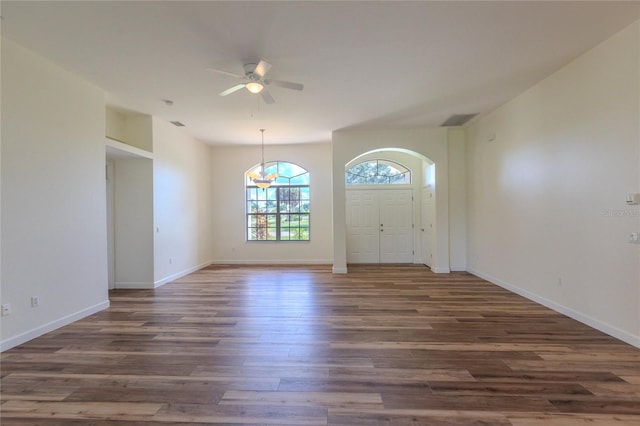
(282, 180)
(271, 234)
(377, 172)
(300, 179)
(284, 194)
(304, 234)
(285, 234)
(270, 168)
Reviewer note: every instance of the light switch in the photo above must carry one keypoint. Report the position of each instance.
(633, 199)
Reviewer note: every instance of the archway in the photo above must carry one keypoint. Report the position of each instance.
(427, 145)
(395, 188)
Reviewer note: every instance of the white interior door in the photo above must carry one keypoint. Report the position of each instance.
(380, 226)
(426, 224)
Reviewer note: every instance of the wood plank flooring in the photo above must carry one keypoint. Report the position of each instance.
(382, 345)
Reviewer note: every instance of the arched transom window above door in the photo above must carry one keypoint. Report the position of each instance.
(377, 172)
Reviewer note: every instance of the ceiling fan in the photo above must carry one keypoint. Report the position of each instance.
(255, 82)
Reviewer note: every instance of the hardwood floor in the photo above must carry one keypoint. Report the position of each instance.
(382, 345)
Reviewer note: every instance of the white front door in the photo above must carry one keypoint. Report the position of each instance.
(380, 226)
(396, 226)
(362, 227)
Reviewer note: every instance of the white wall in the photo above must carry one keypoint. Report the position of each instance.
(132, 128)
(53, 196)
(182, 202)
(229, 164)
(457, 200)
(429, 142)
(547, 178)
(133, 220)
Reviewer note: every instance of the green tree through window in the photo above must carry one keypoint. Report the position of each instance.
(280, 212)
(377, 172)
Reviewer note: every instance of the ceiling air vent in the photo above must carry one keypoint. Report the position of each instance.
(457, 120)
(177, 124)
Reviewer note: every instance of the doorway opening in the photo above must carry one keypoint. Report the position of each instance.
(390, 208)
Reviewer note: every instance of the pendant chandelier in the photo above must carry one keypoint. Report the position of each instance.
(261, 179)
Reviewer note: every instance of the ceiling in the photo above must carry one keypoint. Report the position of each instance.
(364, 64)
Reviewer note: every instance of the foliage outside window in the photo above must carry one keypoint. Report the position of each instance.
(280, 212)
(377, 172)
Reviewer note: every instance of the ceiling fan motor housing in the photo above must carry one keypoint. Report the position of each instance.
(249, 70)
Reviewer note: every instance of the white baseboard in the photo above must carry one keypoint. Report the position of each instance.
(180, 274)
(440, 270)
(273, 262)
(578, 316)
(151, 285)
(458, 268)
(11, 342)
(339, 270)
(134, 285)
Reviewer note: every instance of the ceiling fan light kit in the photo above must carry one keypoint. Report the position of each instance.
(255, 81)
(254, 87)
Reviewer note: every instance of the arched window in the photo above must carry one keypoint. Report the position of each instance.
(377, 172)
(281, 211)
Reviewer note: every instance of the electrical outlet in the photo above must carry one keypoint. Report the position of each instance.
(35, 301)
(6, 309)
(634, 238)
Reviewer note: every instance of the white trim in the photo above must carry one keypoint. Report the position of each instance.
(458, 268)
(382, 186)
(50, 326)
(120, 149)
(609, 329)
(134, 285)
(273, 262)
(180, 274)
(337, 270)
(439, 270)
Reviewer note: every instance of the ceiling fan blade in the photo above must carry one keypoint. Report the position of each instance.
(262, 68)
(266, 97)
(223, 72)
(286, 84)
(232, 89)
